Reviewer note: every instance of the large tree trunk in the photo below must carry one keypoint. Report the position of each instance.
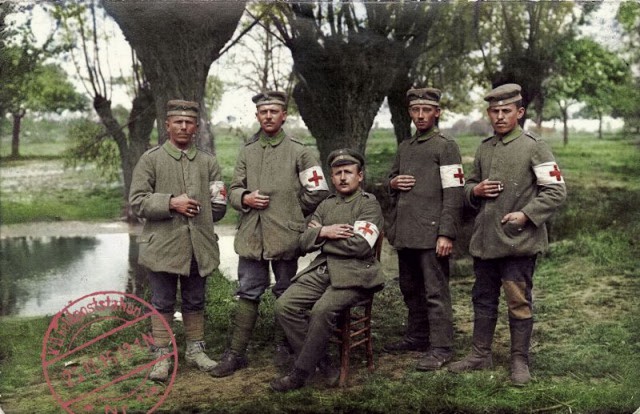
(176, 42)
(341, 90)
(397, 99)
(140, 125)
(15, 135)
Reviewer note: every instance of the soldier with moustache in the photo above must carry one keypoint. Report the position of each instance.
(345, 228)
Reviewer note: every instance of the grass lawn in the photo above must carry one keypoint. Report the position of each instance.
(586, 338)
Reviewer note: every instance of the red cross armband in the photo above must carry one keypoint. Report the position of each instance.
(451, 175)
(313, 179)
(218, 192)
(367, 230)
(548, 173)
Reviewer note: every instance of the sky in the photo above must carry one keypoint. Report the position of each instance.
(236, 103)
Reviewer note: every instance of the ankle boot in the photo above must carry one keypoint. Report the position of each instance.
(162, 340)
(194, 333)
(480, 356)
(292, 381)
(521, 330)
(160, 370)
(244, 321)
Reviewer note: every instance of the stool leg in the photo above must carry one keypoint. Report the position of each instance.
(370, 364)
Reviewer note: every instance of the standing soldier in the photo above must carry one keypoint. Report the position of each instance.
(426, 185)
(515, 187)
(277, 182)
(178, 189)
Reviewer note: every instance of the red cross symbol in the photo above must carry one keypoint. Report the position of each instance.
(316, 178)
(556, 173)
(459, 175)
(366, 229)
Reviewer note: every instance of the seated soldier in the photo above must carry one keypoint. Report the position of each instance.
(345, 227)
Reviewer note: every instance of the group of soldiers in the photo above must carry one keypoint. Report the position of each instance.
(286, 210)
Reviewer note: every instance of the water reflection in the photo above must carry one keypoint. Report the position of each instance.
(40, 275)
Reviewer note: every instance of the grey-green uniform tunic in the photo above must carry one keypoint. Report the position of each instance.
(274, 166)
(432, 208)
(343, 273)
(169, 240)
(513, 160)
(429, 209)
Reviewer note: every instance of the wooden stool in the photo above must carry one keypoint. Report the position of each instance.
(353, 328)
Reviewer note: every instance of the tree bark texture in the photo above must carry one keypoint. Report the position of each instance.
(176, 42)
(15, 135)
(131, 147)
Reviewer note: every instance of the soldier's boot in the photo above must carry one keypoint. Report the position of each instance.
(244, 321)
(480, 356)
(283, 354)
(194, 333)
(326, 370)
(521, 330)
(161, 339)
(292, 381)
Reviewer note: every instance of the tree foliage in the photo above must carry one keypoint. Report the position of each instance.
(28, 83)
(84, 37)
(586, 72)
(518, 42)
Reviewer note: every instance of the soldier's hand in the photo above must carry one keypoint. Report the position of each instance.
(488, 189)
(402, 182)
(313, 224)
(256, 200)
(336, 231)
(517, 217)
(185, 205)
(444, 246)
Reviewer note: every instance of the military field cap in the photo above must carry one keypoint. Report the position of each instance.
(424, 96)
(504, 94)
(345, 156)
(269, 98)
(182, 108)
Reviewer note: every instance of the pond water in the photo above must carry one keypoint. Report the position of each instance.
(40, 274)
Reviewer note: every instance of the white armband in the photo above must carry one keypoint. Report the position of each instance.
(218, 192)
(313, 179)
(548, 173)
(367, 230)
(451, 175)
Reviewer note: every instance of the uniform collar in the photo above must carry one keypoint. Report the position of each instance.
(273, 141)
(176, 153)
(348, 198)
(511, 136)
(428, 134)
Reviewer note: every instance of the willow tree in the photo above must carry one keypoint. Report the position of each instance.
(519, 42)
(177, 42)
(344, 60)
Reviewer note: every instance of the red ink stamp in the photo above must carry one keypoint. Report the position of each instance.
(96, 358)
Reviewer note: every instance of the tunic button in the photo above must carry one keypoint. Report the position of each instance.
(433, 223)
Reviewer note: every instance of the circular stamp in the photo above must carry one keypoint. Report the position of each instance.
(96, 355)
